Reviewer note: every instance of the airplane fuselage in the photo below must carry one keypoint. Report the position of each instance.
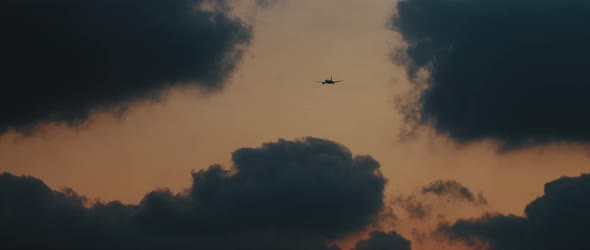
(328, 81)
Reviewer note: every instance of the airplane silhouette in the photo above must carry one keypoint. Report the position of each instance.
(329, 81)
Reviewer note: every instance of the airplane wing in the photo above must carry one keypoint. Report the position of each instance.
(338, 81)
(319, 82)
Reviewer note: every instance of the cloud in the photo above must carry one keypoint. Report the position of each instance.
(559, 219)
(64, 59)
(419, 206)
(380, 240)
(511, 71)
(287, 194)
(455, 190)
(416, 209)
(269, 3)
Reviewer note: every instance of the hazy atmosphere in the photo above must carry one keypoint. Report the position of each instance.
(181, 124)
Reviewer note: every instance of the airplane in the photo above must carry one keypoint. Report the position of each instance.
(329, 81)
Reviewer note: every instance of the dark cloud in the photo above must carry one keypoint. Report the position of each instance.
(511, 71)
(286, 194)
(381, 241)
(455, 190)
(66, 58)
(557, 220)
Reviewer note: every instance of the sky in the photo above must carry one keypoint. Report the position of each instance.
(148, 97)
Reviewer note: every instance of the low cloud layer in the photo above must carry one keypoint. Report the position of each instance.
(511, 71)
(557, 220)
(286, 194)
(64, 59)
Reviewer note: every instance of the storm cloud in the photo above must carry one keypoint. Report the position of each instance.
(557, 220)
(286, 194)
(511, 71)
(64, 59)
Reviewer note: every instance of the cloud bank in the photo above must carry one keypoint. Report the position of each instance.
(557, 220)
(287, 194)
(64, 59)
(511, 71)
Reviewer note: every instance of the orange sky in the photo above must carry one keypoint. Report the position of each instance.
(273, 95)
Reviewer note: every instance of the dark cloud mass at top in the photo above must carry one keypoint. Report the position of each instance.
(511, 71)
(283, 195)
(557, 220)
(63, 59)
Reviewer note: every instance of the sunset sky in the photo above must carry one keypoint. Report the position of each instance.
(504, 114)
